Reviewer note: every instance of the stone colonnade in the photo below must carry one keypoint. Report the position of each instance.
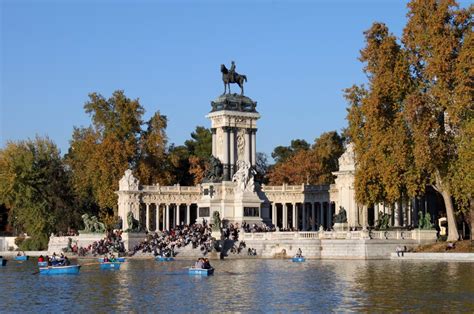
(163, 216)
(302, 215)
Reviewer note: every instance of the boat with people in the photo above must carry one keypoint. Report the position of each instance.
(43, 264)
(299, 259)
(202, 267)
(3, 262)
(60, 270)
(164, 258)
(21, 258)
(118, 259)
(110, 265)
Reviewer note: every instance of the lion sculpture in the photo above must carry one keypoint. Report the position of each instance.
(92, 224)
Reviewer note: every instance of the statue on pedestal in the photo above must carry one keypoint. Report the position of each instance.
(232, 77)
(244, 176)
(92, 224)
(214, 170)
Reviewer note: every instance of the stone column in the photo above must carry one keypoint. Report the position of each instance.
(321, 215)
(213, 131)
(329, 218)
(313, 216)
(225, 162)
(157, 217)
(294, 220)
(188, 214)
(147, 217)
(304, 217)
(285, 215)
(247, 145)
(178, 218)
(376, 213)
(167, 218)
(365, 217)
(396, 218)
(232, 152)
(274, 220)
(409, 212)
(254, 147)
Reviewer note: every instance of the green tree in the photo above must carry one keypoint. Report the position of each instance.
(283, 153)
(34, 186)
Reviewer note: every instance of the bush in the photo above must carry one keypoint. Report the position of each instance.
(34, 244)
(19, 240)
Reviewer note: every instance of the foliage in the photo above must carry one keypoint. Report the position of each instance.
(311, 166)
(283, 153)
(412, 124)
(99, 154)
(34, 186)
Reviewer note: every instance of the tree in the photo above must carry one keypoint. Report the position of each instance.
(312, 165)
(200, 144)
(34, 186)
(283, 153)
(99, 155)
(408, 125)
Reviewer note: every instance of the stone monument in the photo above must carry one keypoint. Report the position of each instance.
(234, 127)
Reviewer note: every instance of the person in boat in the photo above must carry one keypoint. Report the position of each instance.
(206, 264)
(299, 253)
(66, 262)
(40, 259)
(199, 263)
(112, 258)
(106, 259)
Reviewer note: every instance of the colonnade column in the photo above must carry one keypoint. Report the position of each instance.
(274, 214)
(313, 216)
(254, 147)
(303, 217)
(247, 146)
(329, 218)
(376, 213)
(188, 214)
(396, 218)
(178, 218)
(226, 153)
(167, 218)
(321, 215)
(157, 217)
(232, 152)
(285, 215)
(295, 215)
(213, 131)
(147, 217)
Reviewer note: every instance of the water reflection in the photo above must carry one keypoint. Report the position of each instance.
(245, 285)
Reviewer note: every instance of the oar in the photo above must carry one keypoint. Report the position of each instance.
(88, 264)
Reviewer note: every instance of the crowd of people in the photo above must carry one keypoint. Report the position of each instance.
(164, 243)
(55, 260)
(112, 243)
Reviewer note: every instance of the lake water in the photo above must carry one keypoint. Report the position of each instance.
(244, 285)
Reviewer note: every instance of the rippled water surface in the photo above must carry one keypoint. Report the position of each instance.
(243, 285)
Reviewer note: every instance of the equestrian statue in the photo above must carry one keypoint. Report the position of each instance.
(229, 76)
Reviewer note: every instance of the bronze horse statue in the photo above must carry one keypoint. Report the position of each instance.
(236, 78)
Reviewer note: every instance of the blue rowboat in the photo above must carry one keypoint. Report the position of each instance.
(164, 259)
(60, 270)
(3, 262)
(200, 271)
(110, 265)
(21, 258)
(298, 259)
(42, 264)
(118, 259)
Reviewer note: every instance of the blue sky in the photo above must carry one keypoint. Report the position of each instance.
(298, 57)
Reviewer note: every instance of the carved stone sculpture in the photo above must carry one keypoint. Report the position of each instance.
(244, 177)
(214, 171)
(216, 221)
(92, 224)
(341, 217)
(383, 221)
(128, 182)
(133, 224)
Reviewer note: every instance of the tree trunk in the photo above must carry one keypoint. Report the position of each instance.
(453, 234)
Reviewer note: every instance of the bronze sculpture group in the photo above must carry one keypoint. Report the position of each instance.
(230, 76)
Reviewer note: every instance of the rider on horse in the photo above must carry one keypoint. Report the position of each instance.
(232, 72)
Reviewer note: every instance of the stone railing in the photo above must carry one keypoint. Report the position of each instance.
(171, 189)
(295, 188)
(418, 235)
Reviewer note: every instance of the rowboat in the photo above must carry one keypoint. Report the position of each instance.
(42, 264)
(3, 262)
(21, 258)
(200, 271)
(164, 259)
(110, 265)
(60, 270)
(118, 259)
(298, 259)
